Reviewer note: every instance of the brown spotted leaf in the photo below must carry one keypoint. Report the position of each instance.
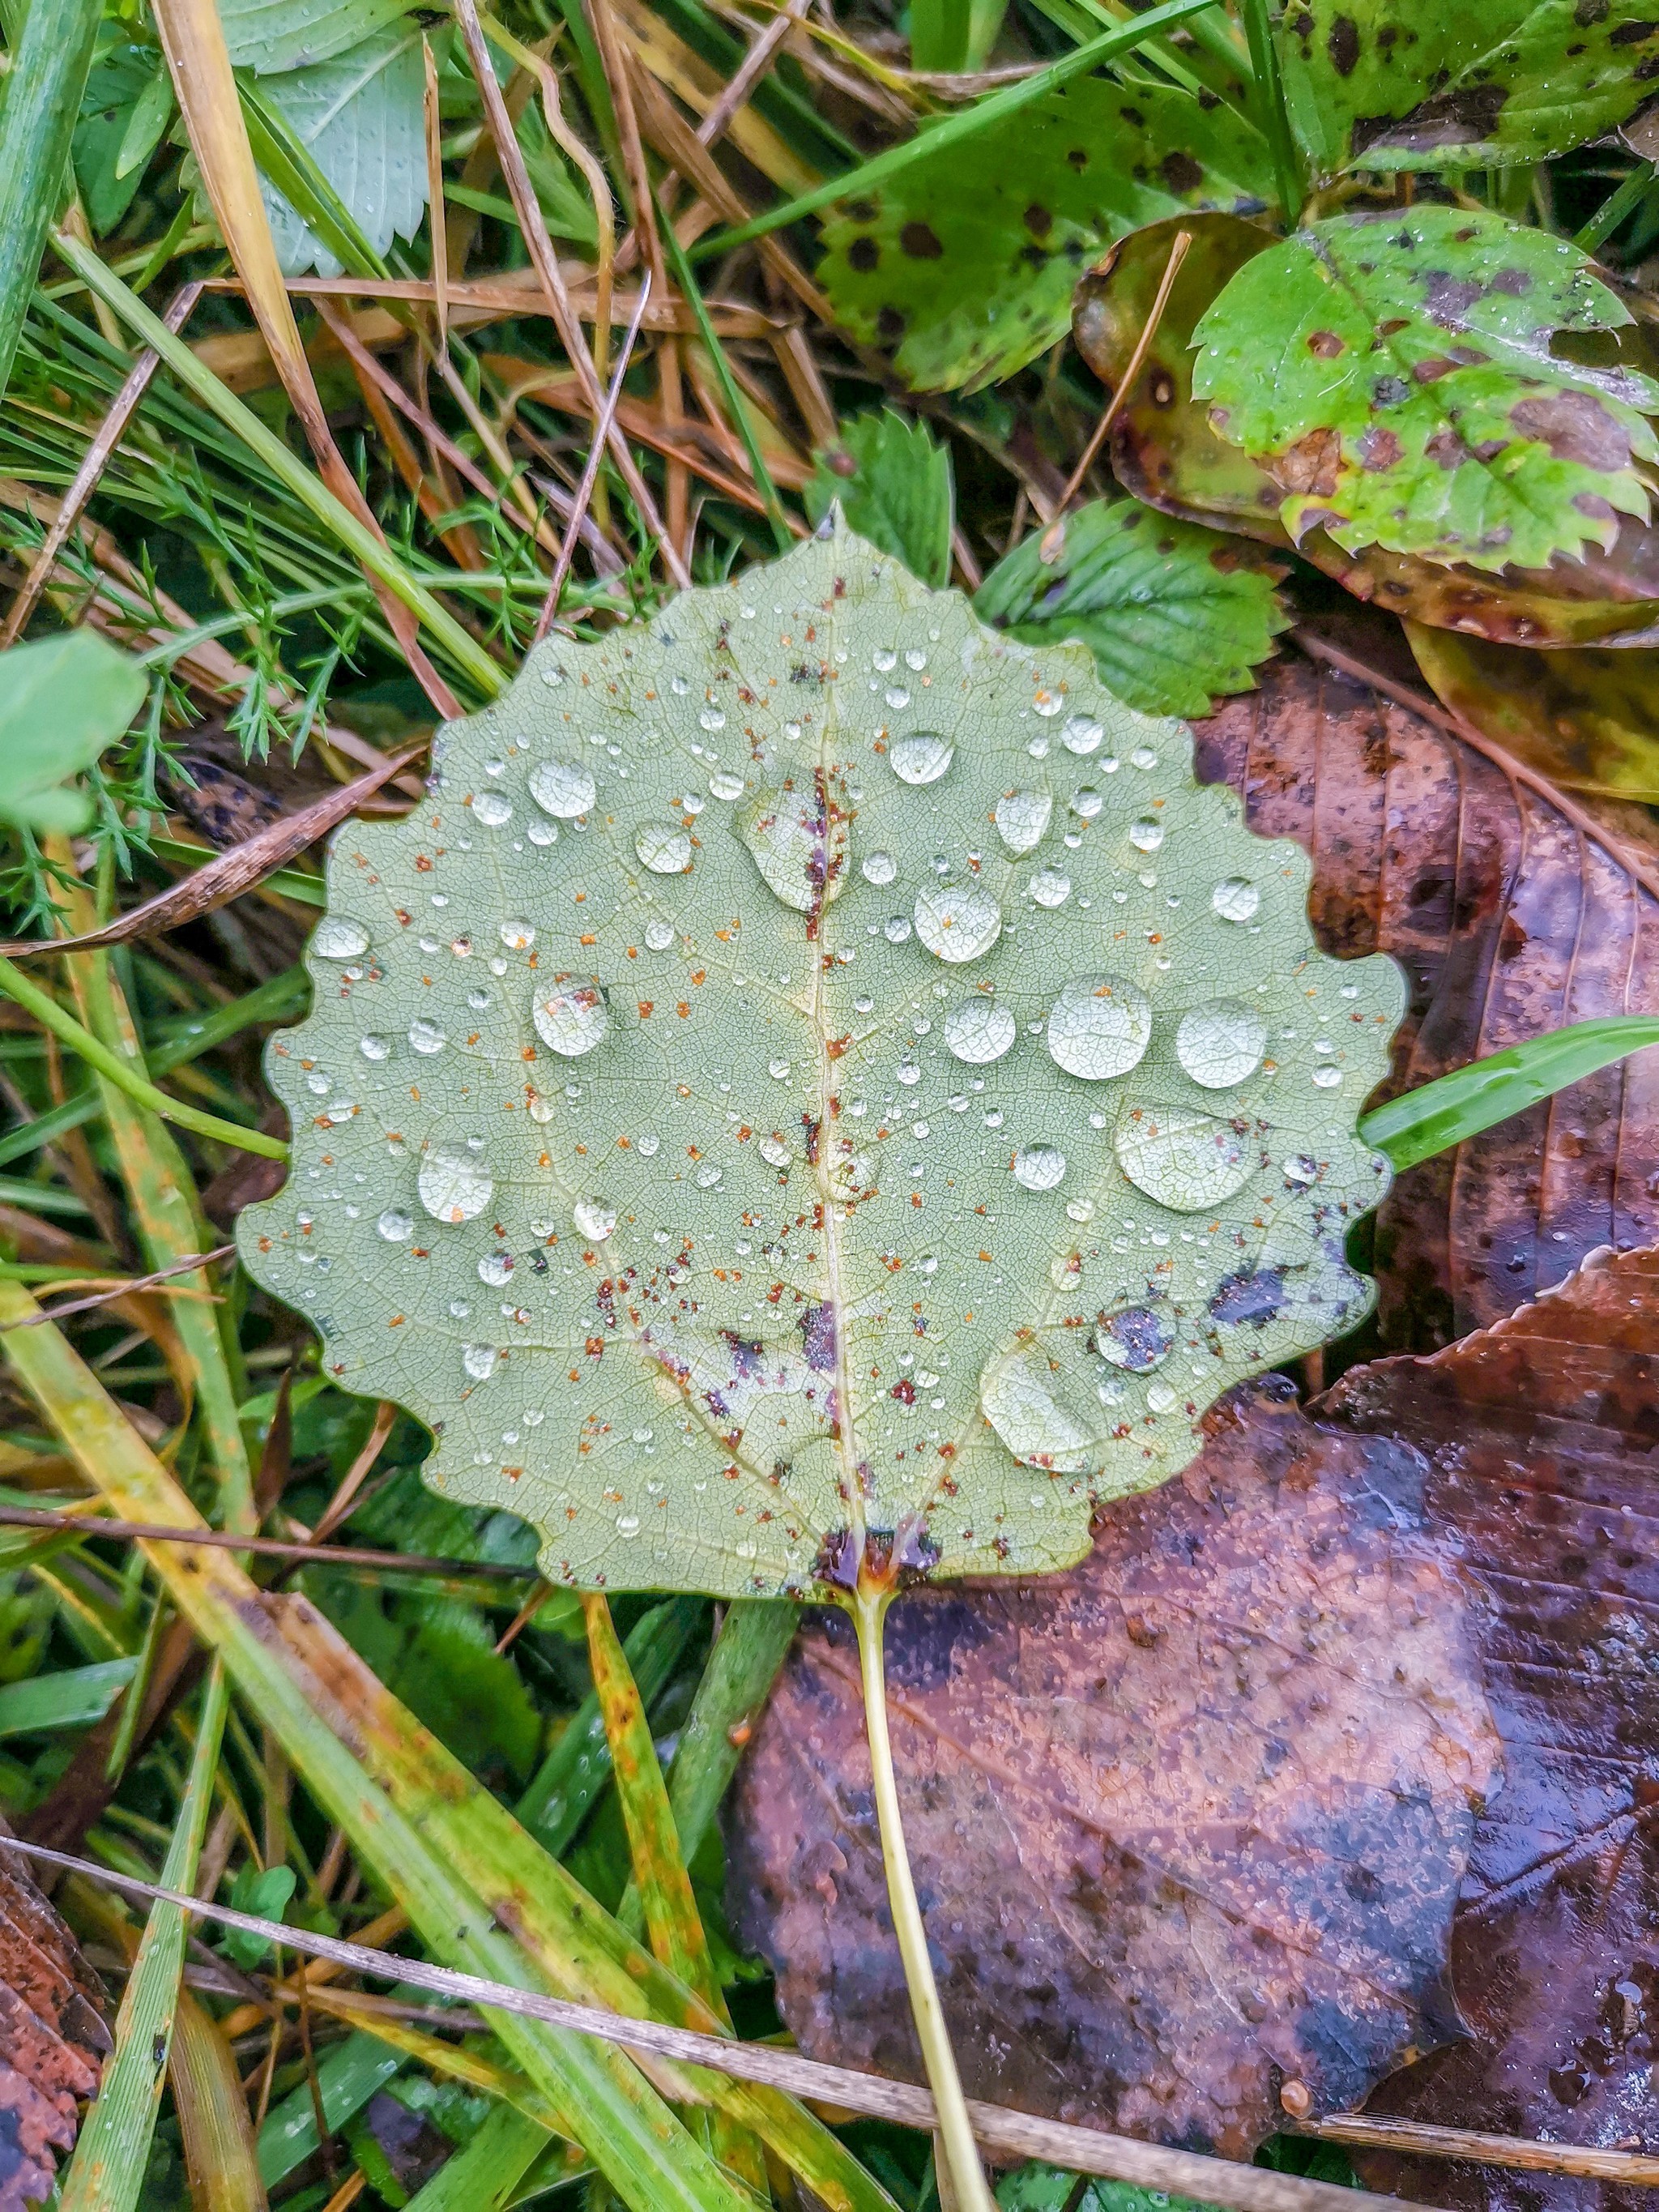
(53, 2040)
(1511, 914)
(1540, 1437)
(1393, 371)
(1164, 450)
(1185, 1820)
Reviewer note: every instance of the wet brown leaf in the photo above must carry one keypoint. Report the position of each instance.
(1185, 1820)
(53, 2040)
(1164, 450)
(1511, 914)
(1542, 1436)
(1582, 717)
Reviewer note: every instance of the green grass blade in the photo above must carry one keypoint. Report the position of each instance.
(347, 2078)
(467, 654)
(42, 103)
(80, 1042)
(483, 2177)
(574, 1771)
(73, 1697)
(107, 2171)
(966, 124)
(290, 164)
(1272, 114)
(1442, 1114)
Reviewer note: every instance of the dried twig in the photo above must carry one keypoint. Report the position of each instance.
(272, 1547)
(96, 458)
(124, 1288)
(1021, 2134)
(590, 472)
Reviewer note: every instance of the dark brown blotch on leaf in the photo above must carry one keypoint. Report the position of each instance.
(1185, 1820)
(1576, 426)
(920, 241)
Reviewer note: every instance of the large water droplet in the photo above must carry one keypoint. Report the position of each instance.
(1039, 1167)
(798, 842)
(957, 922)
(1021, 818)
(594, 1218)
(1221, 1044)
(1236, 898)
(1100, 1027)
(1136, 1338)
(454, 1187)
(1019, 1396)
(570, 1017)
(665, 849)
(335, 937)
(1183, 1159)
(879, 868)
(922, 757)
(979, 1031)
(562, 788)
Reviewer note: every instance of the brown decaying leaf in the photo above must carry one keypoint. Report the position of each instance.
(53, 2038)
(1509, 919)
(1164, 452)
(1542, 1437)
(1185, 1820)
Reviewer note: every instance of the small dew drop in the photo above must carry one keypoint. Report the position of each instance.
(335, 937)
(571, 1017)
(724, 785)
(1039, 1167)
(897, 928)
(1147, 835)
(494, 1268)
(479, 1361)
(921, 757)
(562, 788)
(1236, 898)
(979, 1031)
(1100, 1027)
(427, 1037)
(957, 922)
(1050, 888)
(1328, 1078)
(517, 935)
(1021, 818)
(454, 1187)
(1221, 1044)
(879, 868)
(1081, 734)
(663, 848)
(1137, 1338)
(593, 1219)
(374, 1048)
(659, 935)
(492, 810)
(396, 1228)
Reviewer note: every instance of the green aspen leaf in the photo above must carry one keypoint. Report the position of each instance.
(289, 35)
(895, 488)
(966, 262)
(1374, 85)
(1394, 371)
(1174, 614)
(815, 1068)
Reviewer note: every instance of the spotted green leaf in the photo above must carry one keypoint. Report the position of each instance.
(1374, 85)
(360, 116)
(1174, 614)
(813, 1068)
(966, 262)
(1394, 371)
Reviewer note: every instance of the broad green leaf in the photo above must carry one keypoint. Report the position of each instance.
(816, 1069)
(360, 115)
(895, 488)
(129, 98)
(965, 262)
(1395, 370)
(63, 700)
(1173, 613)
(266, 1893)
(1038, 2188)
(271, 35)
(1372, 86)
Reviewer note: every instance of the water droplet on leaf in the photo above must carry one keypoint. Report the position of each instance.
(1185, 1159)
(570, 1018)
(979, 1031)
(1100, 1027)
(798, 842)
(1221, 1044)
(454, 1187)
(663, 848)
(1039, 1167)
(562, 788)
(335, 937)
(1021, 818)
(921, 757)
(1236, 898)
